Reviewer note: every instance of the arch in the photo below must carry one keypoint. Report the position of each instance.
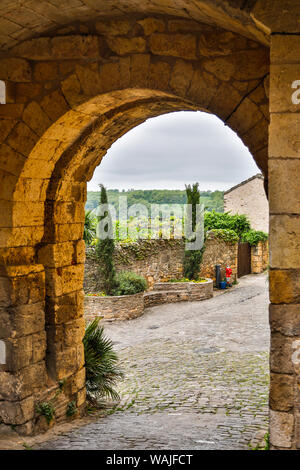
(66, 111)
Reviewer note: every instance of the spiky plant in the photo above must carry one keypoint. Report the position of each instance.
(101, 364)
(89, 232)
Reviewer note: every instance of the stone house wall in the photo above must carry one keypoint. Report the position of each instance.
(249, 198)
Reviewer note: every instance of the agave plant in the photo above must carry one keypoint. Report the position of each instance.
(101, 364)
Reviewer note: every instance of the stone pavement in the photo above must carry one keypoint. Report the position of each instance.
(196, 376)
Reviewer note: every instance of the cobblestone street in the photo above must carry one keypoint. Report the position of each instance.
(196, 376)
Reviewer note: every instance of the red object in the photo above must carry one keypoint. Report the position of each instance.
(228, 272)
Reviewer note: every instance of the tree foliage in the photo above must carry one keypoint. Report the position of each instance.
(239, 223)
(192, 258)
(253, 237)
(212, 200)
(105, 249)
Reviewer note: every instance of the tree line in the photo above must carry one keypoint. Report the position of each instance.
(212, 200)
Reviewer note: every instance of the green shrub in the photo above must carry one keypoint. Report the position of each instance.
(216, 220)
(101, 364)
(130, 283)
(225, 234)
(46, 409)
(253, 237)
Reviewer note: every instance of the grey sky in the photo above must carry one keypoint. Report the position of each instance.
(172, 150)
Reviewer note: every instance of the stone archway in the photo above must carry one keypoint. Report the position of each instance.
(73, 90)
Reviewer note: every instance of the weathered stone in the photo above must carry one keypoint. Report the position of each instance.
(75, 47)
(152, 25)
(181, 77)
(285, 253)
(140, 70)
(284, 286)
(285, 319)
(281, 91)
(17, 412)
(281, 354)
(113, 27)
(176, 45)
(36, 119)
(123, 46)
(286, 124)
(284, 173)
(44, 71)
(281, 428)
(281, 392)
(16, 70)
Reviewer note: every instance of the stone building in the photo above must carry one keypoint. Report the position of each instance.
(78, 75)
(249, 198)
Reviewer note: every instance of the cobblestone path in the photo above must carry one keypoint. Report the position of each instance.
(196, 376)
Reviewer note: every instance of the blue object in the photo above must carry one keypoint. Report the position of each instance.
(223, 285)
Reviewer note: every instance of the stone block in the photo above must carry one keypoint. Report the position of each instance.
(285, 245)
(140, 70)
(281, 354)
(181, 78)
(15, 70)
(113, 27)
(123, 46)
(175, 45)
(287, 125)
(152, 25)
(285, 319)
(281, 392)
(54, 105)
(22, 139)
(281, 79)
(159, 75)
(75, 47)
(281, 429)
(17, 412)
(284, 194)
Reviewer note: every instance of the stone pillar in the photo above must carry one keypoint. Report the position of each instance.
(23, 343)
(284, 199)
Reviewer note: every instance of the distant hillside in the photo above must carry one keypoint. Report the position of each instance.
(210, 199)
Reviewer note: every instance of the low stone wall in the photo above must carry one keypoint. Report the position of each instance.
(168, 292)
(123, 307)
(127, 307)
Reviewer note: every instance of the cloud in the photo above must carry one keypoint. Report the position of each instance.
(173, 149)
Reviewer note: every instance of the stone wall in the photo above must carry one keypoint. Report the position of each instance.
(259, 257)
(161, 260)
(123, 307)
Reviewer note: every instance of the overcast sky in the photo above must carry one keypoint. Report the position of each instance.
(175, 149)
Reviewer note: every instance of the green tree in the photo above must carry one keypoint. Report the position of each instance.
(105, 246)
(192, 258)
